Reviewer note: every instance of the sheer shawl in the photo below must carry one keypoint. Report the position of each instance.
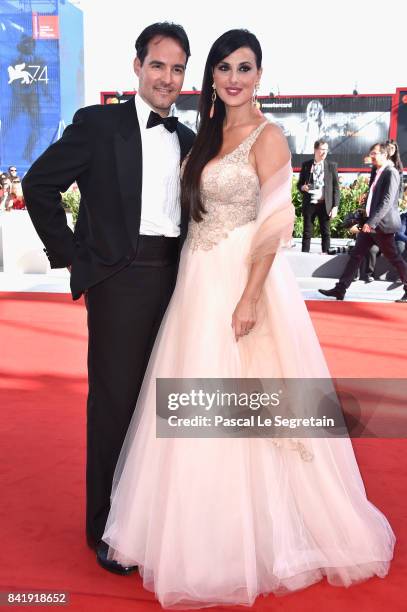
(282, 313)
(275, 217)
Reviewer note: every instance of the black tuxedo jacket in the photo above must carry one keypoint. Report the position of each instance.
(101, 151)
(331, 186)
(384, 215)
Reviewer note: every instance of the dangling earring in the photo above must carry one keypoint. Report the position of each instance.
(212, 111)
(255, 101)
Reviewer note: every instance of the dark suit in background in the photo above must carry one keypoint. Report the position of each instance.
(322, 209)
(127, 279)
(401, 236)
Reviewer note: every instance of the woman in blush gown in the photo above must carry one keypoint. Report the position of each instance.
(220, 521)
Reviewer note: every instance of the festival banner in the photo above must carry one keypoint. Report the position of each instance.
(350, 124)
(29, 86)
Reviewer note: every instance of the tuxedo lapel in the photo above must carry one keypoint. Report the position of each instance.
(377, 190)
(184, 144)
(327, 175)
(128, 151)
(310, 163)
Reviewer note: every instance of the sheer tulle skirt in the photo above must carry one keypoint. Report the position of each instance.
(220, 521)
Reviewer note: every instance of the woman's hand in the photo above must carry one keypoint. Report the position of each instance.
(244, 317)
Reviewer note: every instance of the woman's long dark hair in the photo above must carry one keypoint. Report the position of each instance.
(395, 158)
(210, 131)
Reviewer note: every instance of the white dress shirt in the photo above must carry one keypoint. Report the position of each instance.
(318, 174)
(160, 197)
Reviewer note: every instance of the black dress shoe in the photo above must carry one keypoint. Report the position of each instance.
(403, 299)
(335, 292)
(369, 278)
(109, 564)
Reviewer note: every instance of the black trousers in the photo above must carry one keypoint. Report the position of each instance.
(124, 315)
(368, 264)
(364, 241)
(310, 212)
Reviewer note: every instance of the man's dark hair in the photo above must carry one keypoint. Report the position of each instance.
(166, 30)
(319, 142)
(384, 148)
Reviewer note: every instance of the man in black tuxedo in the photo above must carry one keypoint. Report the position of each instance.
(382, 221)
(319, 185)
(124, 252)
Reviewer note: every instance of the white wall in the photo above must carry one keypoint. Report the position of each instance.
(309, 47)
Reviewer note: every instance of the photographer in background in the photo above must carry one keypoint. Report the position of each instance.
(381, 224)
(6, 196)
(368, 263)
(401, 236)
(319, 185)
(16, 188)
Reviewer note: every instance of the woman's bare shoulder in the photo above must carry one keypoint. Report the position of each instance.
(271, 149)
(271, 135)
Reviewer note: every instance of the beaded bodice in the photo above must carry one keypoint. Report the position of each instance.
(230, 191)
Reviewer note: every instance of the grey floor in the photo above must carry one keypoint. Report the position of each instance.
(310, 270)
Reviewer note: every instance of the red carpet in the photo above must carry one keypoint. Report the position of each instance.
(42, 392)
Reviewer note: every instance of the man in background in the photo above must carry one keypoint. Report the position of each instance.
(15, 181)
(319, 185)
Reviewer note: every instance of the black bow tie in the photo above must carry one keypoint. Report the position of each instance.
(170, 123)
